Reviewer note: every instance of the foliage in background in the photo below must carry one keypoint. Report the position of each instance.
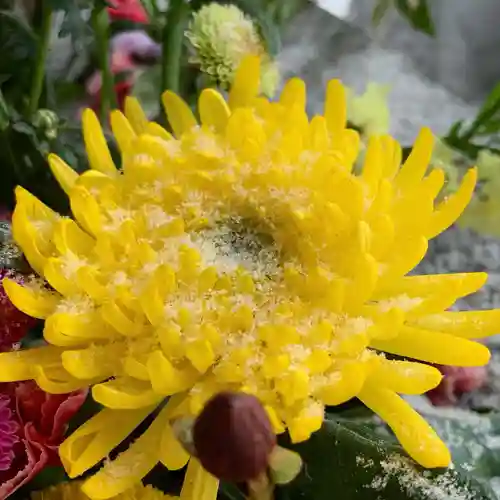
(416, 12)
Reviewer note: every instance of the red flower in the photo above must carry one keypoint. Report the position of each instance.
(456, 382)
(32, 426)
(14, 324)
(128, 10)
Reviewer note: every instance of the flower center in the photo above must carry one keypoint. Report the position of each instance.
(238, 243)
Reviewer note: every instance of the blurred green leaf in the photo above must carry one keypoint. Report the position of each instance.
(418, 14)
(380, 10)
(352, 459)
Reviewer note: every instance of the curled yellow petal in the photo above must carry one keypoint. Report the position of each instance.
(21, 365)
(294, 93)
(415, 435)
(130, 466)
(125, 393)
(344, 385)
(94, 440)
(31, 300)
(165, 378)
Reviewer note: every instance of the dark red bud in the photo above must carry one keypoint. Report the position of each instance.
(233, 437)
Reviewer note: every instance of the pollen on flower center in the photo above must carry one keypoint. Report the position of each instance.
(235, 244)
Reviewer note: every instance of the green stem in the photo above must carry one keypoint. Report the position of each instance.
(100, 24)
(172, 43)
(41, 56)
(482, 118)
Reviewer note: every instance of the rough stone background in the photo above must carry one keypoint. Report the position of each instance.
(434, 83)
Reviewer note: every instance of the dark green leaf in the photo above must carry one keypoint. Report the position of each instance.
(349, 459)
(418, 16)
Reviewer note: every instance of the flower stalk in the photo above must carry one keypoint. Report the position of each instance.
(41, 55)
(100, 24)
(172, 43)
(260, 488)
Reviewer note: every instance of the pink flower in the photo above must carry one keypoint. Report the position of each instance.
(456, 382)
(32, 426)
(128, 10)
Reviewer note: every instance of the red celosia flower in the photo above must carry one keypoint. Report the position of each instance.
(128, 10)
(32, 426)
(456, 382)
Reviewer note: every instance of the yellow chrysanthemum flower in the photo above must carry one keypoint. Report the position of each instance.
(241, 254)
(220, 37)
(72, 491)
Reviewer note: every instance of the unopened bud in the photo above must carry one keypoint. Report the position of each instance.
(233, 437)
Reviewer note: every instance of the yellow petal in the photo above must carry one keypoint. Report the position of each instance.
(35, 302)
(95, 439)
(179, 114)
(158, 131)
(68, 236)
(246, 84)
(96, 145)
(405, 377)
(55, 274)
(198, 483)
(54, 379)
(417, 162)
(172, 454)
(415, 435)
(451, 208)
(86, 209)
(64, 174)
(435, 347)
(130, 466)
(294, 93)
(213, 109)
(21, 365)
(344, 386)
(122, 130)
(135, 115)
(466, 324)
(116, 316)
(372, 166)
(335, 108)
(165, 378)
(125, 394)
(93, 362)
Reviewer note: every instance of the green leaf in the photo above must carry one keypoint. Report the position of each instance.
(350, 460)
(380, 10)
(418, 14)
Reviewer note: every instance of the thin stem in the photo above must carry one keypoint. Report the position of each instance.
(260, 488)
(100, 23)
(172, 43)
(41, 56)
(482, 118)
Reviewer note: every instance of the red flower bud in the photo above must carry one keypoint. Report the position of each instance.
(233, 437)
